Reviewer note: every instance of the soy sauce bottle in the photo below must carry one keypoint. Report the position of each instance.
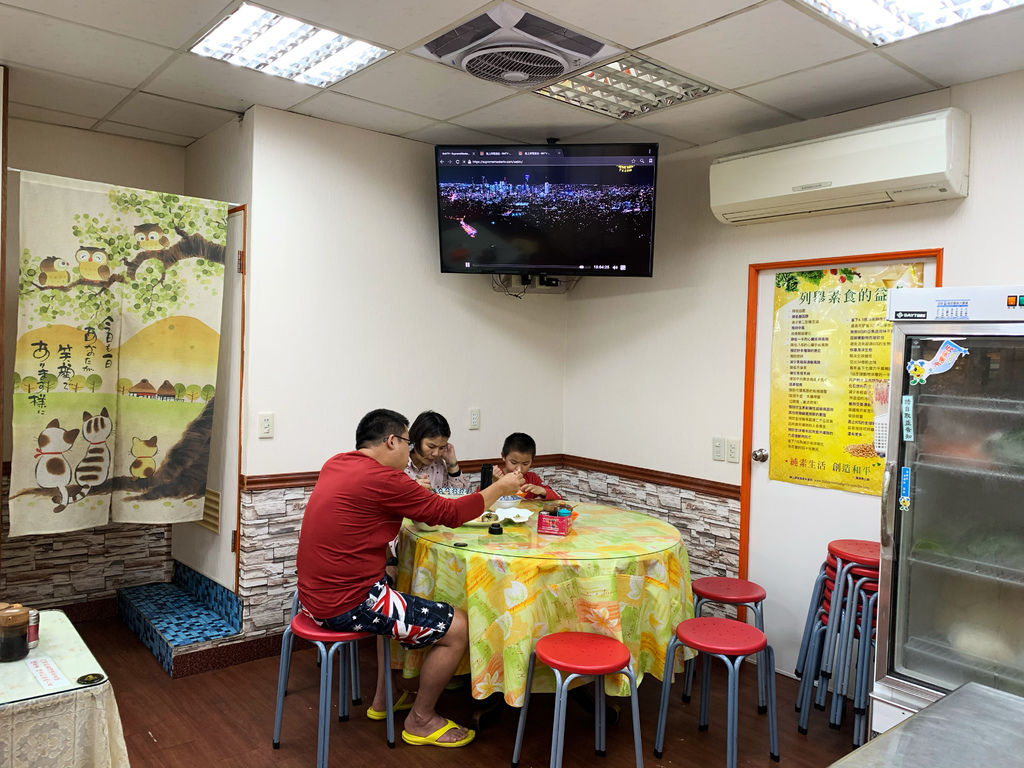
(13, 631)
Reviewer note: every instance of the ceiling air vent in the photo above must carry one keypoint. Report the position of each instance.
(510, 46)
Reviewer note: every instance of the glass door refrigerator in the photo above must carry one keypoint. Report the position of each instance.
(951, 584)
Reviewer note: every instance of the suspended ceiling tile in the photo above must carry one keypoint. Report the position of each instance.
(712, 118)
(755, 45)
(840, 86)
(46, 43)
(973, 50)
(424, 87)
(170, 115)
(532, 119)
(222, 85)
(633, 24)
(169, 24)
(395, 23)
(447, 133)
(627, 132)
(64, 93)
(147, 134)
(53, 117)
(340, 108)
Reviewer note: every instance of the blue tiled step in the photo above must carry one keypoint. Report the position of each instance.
(168, 619)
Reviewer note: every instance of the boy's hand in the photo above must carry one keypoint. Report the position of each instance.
(498, 472)
(536, 490)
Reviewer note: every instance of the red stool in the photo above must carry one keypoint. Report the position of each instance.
(348, 642)
(729, 591)
(731, 641)
(580, 654)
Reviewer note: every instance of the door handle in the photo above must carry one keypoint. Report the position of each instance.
(759, 455)
(886, 532)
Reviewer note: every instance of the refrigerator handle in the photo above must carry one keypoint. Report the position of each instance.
(886, 540)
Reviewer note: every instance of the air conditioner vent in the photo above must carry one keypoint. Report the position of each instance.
(560, 36)
(462, 36)
(514, 65)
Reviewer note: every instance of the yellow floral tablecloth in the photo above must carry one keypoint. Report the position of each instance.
(618, 573)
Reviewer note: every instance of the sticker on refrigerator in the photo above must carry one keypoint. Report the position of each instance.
(948, 353)
(904, 489)
(907, 417)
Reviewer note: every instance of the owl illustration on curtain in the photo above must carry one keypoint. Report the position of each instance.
(92, 264)
(54, 272)
(150, 237)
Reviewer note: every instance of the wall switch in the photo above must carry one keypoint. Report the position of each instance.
(718, 449)
(265, 425)
(732, 451)
(474, 418)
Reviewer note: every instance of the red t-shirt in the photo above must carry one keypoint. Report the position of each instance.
(355, 509)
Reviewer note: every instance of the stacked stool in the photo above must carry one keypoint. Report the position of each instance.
(841, 609)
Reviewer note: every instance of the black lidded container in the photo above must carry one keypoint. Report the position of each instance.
(486, 475)
(13, 632)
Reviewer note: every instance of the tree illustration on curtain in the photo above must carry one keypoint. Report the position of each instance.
(120, 295)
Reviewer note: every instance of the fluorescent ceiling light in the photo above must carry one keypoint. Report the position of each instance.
(262, 40)
(886, 21)
(626, 88)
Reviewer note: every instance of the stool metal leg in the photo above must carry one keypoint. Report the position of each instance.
(812, 612)
(344, 657)
(558, 732)
(773, 716)
(698, 605)
(763, 670)
(732, 706)
(522, 712)
(599, 717)
(282, 683)
(666, 684)
(389, 694)
(323, 730)
(353, 657)
(705, 692)
(635, 705)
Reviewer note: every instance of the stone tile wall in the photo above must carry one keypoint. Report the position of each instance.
(92, 564)
(271, 521)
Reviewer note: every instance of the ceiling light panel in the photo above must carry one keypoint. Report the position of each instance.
(626, 88)
(267, 42)
(886, 21)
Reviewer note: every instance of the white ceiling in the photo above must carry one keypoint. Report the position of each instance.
(123, 66)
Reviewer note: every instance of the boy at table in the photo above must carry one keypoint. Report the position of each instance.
(355, 510)
(517, 456)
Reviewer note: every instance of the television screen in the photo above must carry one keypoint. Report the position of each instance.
(573, 209)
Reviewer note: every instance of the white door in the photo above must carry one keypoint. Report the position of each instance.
(791, 525)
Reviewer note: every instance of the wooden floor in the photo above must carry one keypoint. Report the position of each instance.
(225, 719)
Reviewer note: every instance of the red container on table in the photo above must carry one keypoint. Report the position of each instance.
(554, 525)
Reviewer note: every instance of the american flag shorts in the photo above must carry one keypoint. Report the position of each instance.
(414, 621)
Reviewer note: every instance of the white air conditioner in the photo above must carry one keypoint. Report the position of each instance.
(916, 160)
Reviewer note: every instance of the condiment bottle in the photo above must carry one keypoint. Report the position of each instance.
(13, 631)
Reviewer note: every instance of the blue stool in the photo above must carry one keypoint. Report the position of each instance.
(731, 641)
(580, 654)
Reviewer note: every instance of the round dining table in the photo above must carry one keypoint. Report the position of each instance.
(619, 573)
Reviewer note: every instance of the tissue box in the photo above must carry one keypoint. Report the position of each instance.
(556, 526)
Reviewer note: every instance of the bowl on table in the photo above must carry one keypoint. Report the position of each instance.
(504, 502)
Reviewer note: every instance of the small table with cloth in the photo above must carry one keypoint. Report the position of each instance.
(49, 718)
(618, 573)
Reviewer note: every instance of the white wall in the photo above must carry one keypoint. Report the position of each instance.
(655, 369)
(347, 310)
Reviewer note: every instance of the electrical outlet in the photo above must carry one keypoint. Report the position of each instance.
(732, 451)
(265, 425)
(474, 418)
(718, 449)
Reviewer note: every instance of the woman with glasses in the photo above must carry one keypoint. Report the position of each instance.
(432, 461)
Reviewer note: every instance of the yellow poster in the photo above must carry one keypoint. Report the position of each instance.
(830, 375)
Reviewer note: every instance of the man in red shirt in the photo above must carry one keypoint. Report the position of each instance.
(355, 510)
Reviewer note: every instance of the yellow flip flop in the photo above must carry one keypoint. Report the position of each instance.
(432, 739)
(404, 702)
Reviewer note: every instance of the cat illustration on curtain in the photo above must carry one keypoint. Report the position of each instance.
(143, 450)
(94, 468)
(52, 469)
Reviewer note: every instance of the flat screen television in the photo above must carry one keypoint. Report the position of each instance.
(555, 209)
